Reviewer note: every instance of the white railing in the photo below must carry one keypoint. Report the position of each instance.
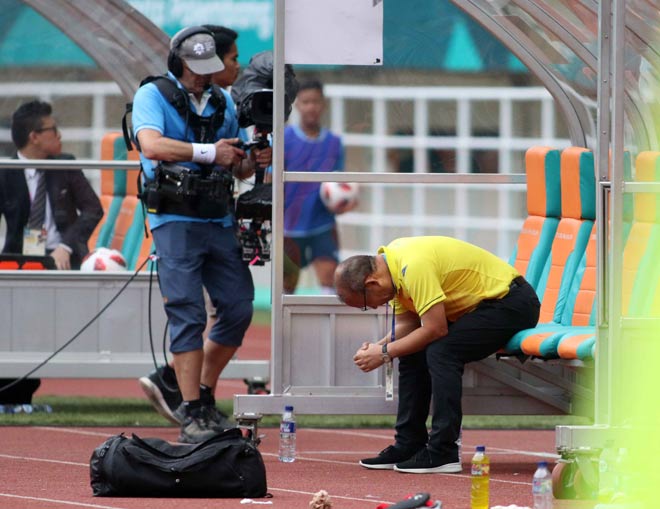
(488, 217)
(479, 213)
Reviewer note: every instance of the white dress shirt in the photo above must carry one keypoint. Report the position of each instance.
(53, 237)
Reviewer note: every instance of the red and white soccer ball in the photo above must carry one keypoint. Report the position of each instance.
(103, 259)
(339, 197)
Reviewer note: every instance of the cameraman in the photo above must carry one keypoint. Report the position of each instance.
(196, 249)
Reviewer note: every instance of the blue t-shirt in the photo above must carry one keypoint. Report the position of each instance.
(304, 212)
(152, 111)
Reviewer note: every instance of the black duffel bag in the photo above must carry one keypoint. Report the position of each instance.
(227, 465)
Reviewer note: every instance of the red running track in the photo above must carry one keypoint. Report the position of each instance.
(48, 468)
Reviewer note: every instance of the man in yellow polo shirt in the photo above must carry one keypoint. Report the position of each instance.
(453, 303)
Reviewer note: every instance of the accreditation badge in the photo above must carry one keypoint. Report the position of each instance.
(34, 242)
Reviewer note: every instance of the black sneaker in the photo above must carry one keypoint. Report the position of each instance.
(195, 430)
(422, 463)
(163, 393)
(386, 459)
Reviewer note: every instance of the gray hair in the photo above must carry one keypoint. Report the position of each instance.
(351, 273)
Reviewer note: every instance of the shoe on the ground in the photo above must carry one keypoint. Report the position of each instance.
(422, 463)
(180, 413)
(218, 420)
(386, 459)
(195, 430)
(165, 396)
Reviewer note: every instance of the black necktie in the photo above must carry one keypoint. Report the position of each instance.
(38, 207)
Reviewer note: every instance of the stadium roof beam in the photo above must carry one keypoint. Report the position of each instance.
(115, 35)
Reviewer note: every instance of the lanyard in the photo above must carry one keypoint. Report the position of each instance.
(389, 372)
(387, 310)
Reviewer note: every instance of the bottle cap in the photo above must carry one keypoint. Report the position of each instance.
(288, 408)
(481, 448)
(542, 464)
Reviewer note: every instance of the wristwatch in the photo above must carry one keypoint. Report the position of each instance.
(384, 355)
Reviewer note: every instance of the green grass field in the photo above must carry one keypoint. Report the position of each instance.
(88, 411)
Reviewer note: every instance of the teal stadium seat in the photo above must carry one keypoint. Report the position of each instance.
(578, 212)
(543, 211)
(579, 342)
(123, 223)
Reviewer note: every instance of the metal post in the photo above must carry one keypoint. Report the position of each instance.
(277, 263)
(616, 202)
(602, 378)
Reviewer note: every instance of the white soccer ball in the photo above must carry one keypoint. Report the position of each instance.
(339, 197)
(103, 259)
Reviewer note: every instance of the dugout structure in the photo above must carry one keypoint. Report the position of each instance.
(599, 62)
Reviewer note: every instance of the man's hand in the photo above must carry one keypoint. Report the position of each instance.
(227, 154)
(62, 258)
(262, 157)
(368, 357)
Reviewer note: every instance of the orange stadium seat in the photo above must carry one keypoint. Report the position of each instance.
(578, 211)
(122, 226)
(543, 211)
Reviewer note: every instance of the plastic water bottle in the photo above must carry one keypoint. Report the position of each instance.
(480, 478)
(607, 475)
(622, 475)
(542, 486)
(287, 450)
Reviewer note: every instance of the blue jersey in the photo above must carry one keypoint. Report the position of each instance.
(152, 111)
(304, 212)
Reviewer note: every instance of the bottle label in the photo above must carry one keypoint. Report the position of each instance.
(541, 486)
(287, 427)
(480, 469)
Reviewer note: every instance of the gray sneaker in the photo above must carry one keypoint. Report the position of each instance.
(179, 414)
(195, 430)
(217, 419)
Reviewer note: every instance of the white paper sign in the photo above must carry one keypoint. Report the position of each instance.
(333, 32)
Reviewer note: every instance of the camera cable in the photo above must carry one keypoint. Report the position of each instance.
(83, 329)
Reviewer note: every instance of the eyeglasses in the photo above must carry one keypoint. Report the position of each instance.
(364, 293)
(53, 128)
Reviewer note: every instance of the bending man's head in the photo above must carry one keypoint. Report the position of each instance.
(351, 279)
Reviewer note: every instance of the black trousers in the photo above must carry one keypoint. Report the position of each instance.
(434, 375)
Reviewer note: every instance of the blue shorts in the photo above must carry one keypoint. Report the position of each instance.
(302, 251)
(193, 255)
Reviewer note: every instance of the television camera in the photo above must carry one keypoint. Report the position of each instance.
(253, 95)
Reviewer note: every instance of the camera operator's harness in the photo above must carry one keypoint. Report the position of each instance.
(175, 188)
(208, 193)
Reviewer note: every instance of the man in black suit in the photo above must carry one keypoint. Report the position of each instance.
(61, 227)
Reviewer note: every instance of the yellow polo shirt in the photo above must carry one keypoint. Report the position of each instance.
(428, 270)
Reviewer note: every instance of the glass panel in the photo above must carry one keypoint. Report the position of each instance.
(447, 99)
(563, 36)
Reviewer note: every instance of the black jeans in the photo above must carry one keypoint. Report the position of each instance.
(435, 373)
